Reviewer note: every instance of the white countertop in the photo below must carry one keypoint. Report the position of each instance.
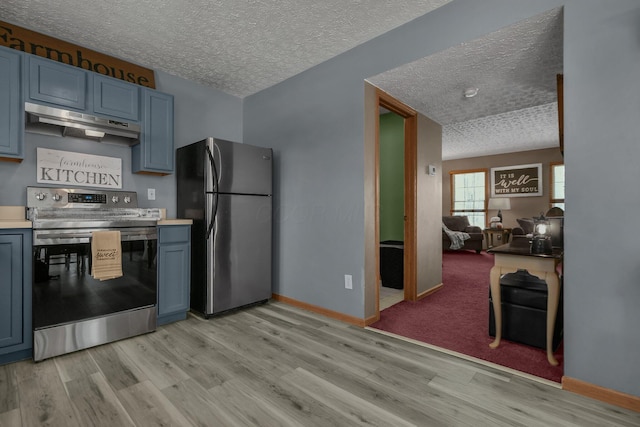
(13, 217)
(15, 224)
(175, 221)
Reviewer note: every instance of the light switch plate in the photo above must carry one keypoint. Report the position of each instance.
(348, 283)
(151, 193)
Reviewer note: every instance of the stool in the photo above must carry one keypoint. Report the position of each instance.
(524, 310)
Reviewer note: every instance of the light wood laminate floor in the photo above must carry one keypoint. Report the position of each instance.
(276, 365)
(390, 296)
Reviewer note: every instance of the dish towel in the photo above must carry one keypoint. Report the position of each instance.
(106, 255)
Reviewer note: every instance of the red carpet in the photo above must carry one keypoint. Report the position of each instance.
(457, 318)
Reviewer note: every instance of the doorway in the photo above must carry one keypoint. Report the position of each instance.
(409, 196)
(552, 31)
(391, 208)
(420, 175)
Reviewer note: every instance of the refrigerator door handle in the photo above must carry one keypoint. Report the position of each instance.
(214, 187)
(213, 212)
(214, 171)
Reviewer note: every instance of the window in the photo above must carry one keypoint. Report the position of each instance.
(468, 195)
(557, 185)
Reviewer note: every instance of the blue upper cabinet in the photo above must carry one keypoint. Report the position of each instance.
(55, 83)
(116, 98)
(11, 100)
(154, 154)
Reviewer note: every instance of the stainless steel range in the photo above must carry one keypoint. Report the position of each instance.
(71, 309)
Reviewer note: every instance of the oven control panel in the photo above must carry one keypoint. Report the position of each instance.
(87, 198)
(53, 197)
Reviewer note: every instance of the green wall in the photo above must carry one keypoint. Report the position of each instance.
(391, 177)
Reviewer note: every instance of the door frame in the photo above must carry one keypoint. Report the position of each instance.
(410, 116)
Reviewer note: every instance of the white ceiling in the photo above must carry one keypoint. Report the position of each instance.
(237, 46)
(243, 46)
(514, 70)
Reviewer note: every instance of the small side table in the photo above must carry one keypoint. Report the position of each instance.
(511, 258)
(496, 236)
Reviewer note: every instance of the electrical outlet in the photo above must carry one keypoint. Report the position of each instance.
(151, 193)
(348, 283)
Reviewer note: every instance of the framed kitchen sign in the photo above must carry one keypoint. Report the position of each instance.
(517, 181)
(78, 169)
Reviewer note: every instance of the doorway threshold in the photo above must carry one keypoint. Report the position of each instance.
(470, 358)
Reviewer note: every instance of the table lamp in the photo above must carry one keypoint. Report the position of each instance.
(501, 203)
(541, 242)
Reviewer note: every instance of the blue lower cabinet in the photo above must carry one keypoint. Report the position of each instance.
(174, 272)
(15, 295)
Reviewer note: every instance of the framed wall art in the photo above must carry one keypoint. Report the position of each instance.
(517, 181)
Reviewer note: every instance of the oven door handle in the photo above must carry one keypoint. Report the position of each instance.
(128, 235)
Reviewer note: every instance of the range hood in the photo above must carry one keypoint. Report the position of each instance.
(58, 122)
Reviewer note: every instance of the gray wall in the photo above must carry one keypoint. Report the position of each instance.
(199, 112)
(314, 122)
(602, 106)
(429, 206)
(318, 185)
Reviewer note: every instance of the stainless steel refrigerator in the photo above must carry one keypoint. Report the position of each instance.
(226, 188)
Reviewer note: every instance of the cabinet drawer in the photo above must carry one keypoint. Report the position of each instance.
(174, 234)
(57, 83)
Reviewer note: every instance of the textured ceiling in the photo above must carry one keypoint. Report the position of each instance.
(243, 46)
(514, 70)
(237, 46)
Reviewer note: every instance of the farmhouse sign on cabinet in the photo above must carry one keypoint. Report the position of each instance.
(28, 41)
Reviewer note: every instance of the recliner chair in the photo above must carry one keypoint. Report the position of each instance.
(461, 223)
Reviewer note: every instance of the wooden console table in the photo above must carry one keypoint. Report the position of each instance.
(516, 255)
